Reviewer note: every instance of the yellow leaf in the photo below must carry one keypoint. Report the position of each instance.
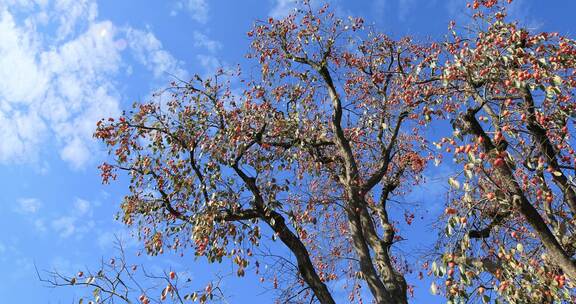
(433, 289)
(454, 183)
(557, 80)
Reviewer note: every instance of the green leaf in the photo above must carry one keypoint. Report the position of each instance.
(557, 80)
(96, 292)
(542, 61)
(550, 93)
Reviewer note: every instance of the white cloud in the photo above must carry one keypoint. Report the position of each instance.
(58, 68)
(148, 50)
(75, 152)
(198, 9)
(65, 226)
(201, 40)
(107, 239)
(69, 12)
(82, 206)
(282, 8)
(64, 265)
(28, 205)
(77, 222)
(12, 258)
(402, 8)
(209, 63)
(21, 78)
(25, 267)
(40, 225)
(21, 134)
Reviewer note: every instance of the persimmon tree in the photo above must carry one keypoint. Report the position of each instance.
(511, 214)
(298, 167)
(308, 153)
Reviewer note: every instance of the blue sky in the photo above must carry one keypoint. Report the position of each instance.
(65, 64)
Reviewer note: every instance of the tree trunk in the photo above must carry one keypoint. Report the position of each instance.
(305, 266)
(557, 253)
(549, 152)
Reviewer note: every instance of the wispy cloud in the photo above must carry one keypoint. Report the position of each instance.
(82, 207)
(77, 222)
(282, 8)
(197, 9)
(28, 205)
(57, 83)
(149, 52)
(397, 9)
(12, 257)
(209, 63)
(70, 12)
(40, 225)
(77, 219)
(207, 60)
(203, 41)
(64, 226)
(108, 238)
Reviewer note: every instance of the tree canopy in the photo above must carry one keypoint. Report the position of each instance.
(310, 154)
